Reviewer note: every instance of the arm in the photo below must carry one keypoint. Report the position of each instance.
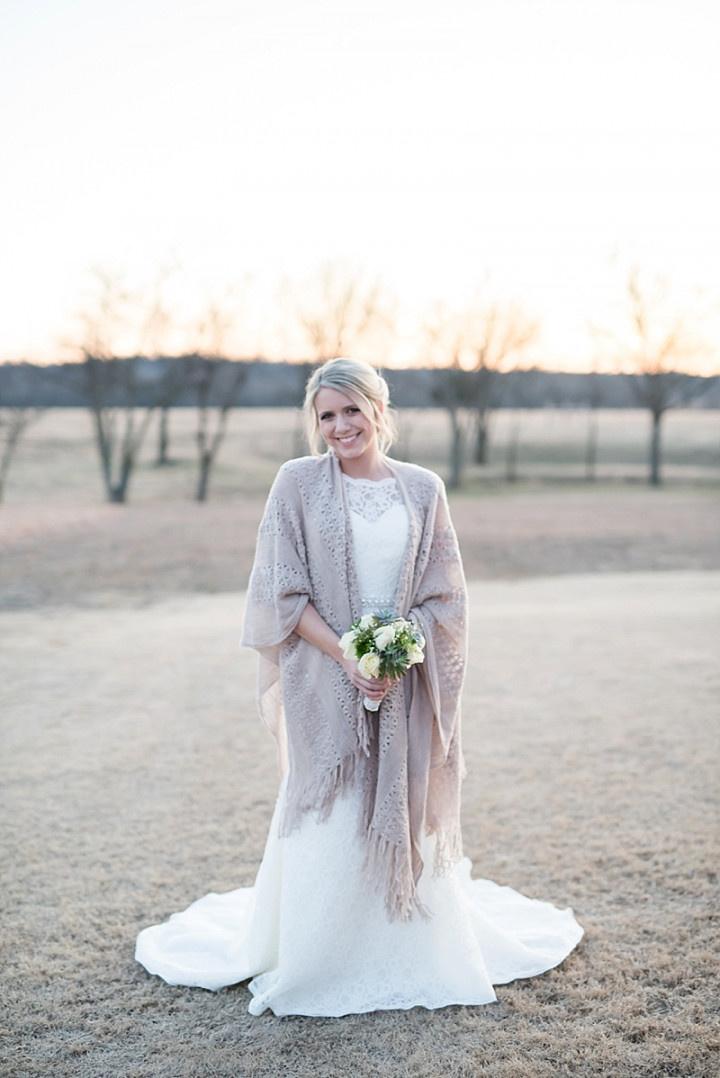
(316, 631)
(279, 598)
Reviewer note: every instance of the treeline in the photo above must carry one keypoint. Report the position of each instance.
(123, 394)
(143, 382)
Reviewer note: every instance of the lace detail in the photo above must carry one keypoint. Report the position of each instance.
(380, 530)
(321, 944)
(371, 498)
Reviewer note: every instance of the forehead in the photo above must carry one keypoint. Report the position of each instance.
(327, 399)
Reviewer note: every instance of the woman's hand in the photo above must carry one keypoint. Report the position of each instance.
(372, 687)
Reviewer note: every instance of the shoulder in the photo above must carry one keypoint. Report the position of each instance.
(302, 467)
(422, 480)
(299, 465)
(293, 473)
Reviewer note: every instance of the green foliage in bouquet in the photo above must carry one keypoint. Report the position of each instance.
(398, 648)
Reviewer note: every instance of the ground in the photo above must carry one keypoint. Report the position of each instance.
(136, 776)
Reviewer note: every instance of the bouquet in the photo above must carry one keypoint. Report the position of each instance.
(384, 646)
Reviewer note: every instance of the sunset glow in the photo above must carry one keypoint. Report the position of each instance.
(528, 149)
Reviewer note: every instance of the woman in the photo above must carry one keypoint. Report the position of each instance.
(363, 900)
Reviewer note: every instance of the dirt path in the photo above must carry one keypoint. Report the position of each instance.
(136, 777)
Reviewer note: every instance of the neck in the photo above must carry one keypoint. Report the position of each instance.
(371, 465)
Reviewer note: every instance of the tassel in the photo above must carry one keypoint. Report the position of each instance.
(389, 872)
(317, 798)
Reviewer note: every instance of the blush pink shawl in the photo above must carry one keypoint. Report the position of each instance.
(406, 758)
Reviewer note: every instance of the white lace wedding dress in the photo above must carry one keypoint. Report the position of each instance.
(312, 937)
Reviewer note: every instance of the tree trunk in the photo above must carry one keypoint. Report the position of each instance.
(511, 458)
(203, 477)
(456, 450)
(104, 452)
(10, 446)
(482, 437)
(655, 449)
(163, 438)
(591, 447)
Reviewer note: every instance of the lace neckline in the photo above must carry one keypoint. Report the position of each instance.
(375, 482)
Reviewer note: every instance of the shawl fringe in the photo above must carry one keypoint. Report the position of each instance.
(387, 870)
(448, 851)
(318, 797)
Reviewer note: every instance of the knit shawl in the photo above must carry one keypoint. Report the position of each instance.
(407, 757)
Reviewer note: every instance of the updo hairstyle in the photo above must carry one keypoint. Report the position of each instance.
(364, 385)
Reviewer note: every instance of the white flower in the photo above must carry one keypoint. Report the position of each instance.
(366, 621)
(347, 645)
(415, 654)
(384, 636)
(369, 664)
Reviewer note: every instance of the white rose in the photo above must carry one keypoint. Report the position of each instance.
(347, 645)
(369, 664)
(366, 621)
(384, 636)
(415, 654)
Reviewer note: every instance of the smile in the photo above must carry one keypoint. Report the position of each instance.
(346, 439)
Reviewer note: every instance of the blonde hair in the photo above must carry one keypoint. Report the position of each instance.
(363, 384)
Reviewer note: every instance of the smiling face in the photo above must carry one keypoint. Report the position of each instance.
(342, 424)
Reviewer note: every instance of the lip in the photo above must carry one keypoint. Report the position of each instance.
(348, 440)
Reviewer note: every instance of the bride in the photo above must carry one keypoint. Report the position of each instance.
(363, 900)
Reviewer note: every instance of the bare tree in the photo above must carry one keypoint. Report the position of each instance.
(523, 394)
(343, 312)
(13, 423)
(497, 334)
(112, 385)
(594, 399)
(155, 328)
(475, 346)
(169, 390)
(218, 384)
(445, 341)
(661, 341)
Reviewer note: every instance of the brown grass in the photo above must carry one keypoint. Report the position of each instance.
(136, 776)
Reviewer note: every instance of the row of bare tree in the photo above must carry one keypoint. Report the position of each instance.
(468, 350)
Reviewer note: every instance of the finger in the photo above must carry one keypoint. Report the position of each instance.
(372, 690)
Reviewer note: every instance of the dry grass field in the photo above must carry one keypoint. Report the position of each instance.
(136, 776)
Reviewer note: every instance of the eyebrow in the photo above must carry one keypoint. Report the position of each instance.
(329, 411)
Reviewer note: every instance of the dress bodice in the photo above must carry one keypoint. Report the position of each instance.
(380, 532)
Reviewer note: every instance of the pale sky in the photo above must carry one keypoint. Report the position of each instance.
(536, 148)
